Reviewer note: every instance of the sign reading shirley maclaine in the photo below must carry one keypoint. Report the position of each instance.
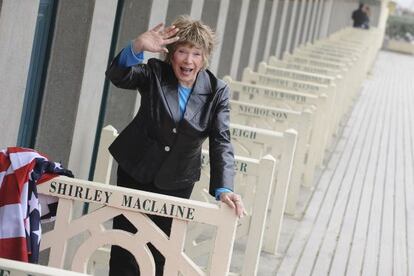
(122, 198)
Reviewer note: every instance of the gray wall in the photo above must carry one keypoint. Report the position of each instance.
(277, 26)
(64, 78)
(17, 27)
(263, 31)
(286, 27)
(176, 8)
(210, 13)
(229, 38)
(248, 37)
(69, 48)
(120, 103)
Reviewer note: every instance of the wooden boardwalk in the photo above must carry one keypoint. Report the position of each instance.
(360, 217)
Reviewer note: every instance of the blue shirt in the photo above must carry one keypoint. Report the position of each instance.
(183, 95)
(129, 58)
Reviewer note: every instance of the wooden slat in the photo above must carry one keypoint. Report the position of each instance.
(374, 234)
(386, 245)
(360, 218)
(409, 177)
(358, 242)
(301, 237)
(331, 216)
(342, 224)
(400, 261)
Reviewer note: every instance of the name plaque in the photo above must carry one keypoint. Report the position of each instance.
(272, 93)
(123, 198)
(259, 112)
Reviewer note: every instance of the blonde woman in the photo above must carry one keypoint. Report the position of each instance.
(182, 104)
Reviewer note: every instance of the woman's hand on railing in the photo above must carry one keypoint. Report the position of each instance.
(234, 201)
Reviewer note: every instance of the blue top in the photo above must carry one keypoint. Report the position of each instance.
(183, 95)
(129, 58)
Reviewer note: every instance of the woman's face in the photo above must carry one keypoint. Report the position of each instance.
(186, 62)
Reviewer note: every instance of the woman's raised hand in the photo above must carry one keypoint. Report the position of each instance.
(156, 39)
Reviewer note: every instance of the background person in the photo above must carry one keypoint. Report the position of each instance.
(182, 104)
(360, 17)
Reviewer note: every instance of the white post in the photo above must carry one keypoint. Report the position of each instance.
(313, 20)
(291, 25)
(221, 24)
(259, 215)
(196, 9)
(271, 30)
(305, 33)
(282, 28)
(318, 20)
(327, 11)
(104, 160)
(300, 23)
(92, 86)
(280, 192)
(239, 38)
(256, 34)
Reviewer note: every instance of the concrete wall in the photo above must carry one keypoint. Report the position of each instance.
(247, 38)
(249, 31)
(176, 8)
(121, 103)
(17, 27)
(266, 32)
(64, 78)
(229, 39)
(210, 13)
(93, 82)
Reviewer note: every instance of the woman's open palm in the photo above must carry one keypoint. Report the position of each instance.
(156, 39)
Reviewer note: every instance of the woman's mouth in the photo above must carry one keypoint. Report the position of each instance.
(186, 71)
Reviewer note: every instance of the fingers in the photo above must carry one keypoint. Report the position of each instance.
(166, 32)
(234, 201)
(171, 40)
(170, 31)
(227, 199)
(158, 27)
(240, 212)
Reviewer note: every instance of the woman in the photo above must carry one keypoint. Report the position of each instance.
(182, 104)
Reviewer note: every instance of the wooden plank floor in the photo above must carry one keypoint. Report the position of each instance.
(360, 217)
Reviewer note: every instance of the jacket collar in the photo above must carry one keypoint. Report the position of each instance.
(199, 95)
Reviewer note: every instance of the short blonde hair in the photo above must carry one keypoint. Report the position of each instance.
(196, 34)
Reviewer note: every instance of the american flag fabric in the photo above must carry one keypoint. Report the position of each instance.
(21, 208)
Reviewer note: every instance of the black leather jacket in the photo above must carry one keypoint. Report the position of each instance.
(157, 147)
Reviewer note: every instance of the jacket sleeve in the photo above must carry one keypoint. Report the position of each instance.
(134, 77)
(220, 147)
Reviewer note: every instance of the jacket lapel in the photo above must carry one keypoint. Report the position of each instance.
(171, 97)
(170, 93)
(199, 95)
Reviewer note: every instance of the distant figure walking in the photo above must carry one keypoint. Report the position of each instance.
(361, 16)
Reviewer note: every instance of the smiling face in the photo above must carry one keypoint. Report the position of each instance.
(186, 62)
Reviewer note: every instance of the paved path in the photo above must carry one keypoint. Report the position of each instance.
(360, 218)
